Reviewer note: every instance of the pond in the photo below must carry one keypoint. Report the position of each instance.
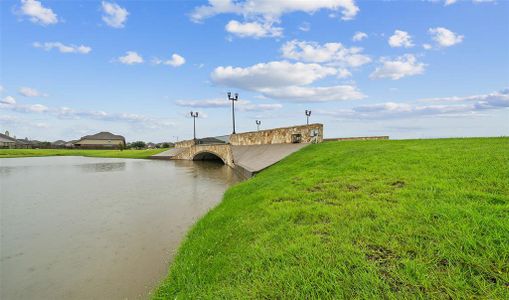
(98, 228)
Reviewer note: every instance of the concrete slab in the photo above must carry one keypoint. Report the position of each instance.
(168, 153)
(254, 158)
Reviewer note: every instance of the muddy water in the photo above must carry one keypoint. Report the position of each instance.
(97, 228)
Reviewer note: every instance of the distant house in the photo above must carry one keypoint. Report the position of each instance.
(11, 142)
(59, 143)
(151, 145)
(6, 141)
(101, 140)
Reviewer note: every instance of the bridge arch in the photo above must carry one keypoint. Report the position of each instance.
(208, 155)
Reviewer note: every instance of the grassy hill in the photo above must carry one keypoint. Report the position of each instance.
(361, 219)
(10, 153)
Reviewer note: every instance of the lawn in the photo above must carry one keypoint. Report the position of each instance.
(360, 219)
(9, 153)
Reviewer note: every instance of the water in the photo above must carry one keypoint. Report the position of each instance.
(97, 228)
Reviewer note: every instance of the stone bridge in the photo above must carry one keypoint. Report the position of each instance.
(221, 152)
(248, 152)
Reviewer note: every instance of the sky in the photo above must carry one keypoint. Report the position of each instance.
(406, 69)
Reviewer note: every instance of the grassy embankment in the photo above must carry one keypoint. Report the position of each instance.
(9, 153)
(362, 219)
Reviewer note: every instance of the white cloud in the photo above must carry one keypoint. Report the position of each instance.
(253, 29)
(327, 53)
(1, 88)
(315, 94)
(131, 58)
(270, 75)
(243, 105)
(9, 103)
(344, 73)
(272, 10)
(444, 37)
(305, 26)
(359, 36)
(114, 15)
(63, 48)
(38, 13)
(9, 100)
(469, 105)
(175, 61)
(398, 68)
(427, 46)
(450, 2)
(285, 80)
(400, 39)
(30, 92)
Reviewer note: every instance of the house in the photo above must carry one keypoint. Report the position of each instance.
(101, 140)
(6, 141)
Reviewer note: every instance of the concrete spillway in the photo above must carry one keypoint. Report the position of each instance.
(248, 159)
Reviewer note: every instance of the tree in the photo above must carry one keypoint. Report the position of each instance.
(138, 144)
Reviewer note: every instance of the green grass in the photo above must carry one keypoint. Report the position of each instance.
(361, 219)
(9, 153)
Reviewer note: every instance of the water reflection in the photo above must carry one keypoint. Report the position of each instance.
(102, 167)
(94, 228)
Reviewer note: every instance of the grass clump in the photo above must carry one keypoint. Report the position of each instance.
(10, 153)
(360, 219)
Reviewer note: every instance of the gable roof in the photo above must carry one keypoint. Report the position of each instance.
(104, 135)
(5, 138)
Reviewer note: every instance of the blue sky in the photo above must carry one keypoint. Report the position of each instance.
(407, 69)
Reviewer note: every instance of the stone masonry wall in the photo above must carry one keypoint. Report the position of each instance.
(278, 135)
(184, 144)
(222, 150)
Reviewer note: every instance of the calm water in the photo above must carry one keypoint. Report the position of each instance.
(97, 228)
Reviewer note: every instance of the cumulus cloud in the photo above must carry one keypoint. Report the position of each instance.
(242, 105)
(253, 29)
(449, 106)
(63, 48)
(444, 37)
(131, 58)
(285, 80)
(270, 75)
(8, 100)
(359, 36)
(37, 13)
(30, 92)
(400, 39)
(398, 68)
(272, 10)
(113, 14)
(175, 61)
(327, 53)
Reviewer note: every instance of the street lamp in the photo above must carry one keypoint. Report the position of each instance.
(233, 99)
(194, 115)
(308, 114)
(176, 137)
(258, 123)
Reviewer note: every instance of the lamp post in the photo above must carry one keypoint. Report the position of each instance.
(194, 115)
(258, 123)
(176, 137)
(308, 114)
(233, 99)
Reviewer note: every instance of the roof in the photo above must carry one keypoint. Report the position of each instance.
(6, 139)
(104, 135)
(59, 142)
